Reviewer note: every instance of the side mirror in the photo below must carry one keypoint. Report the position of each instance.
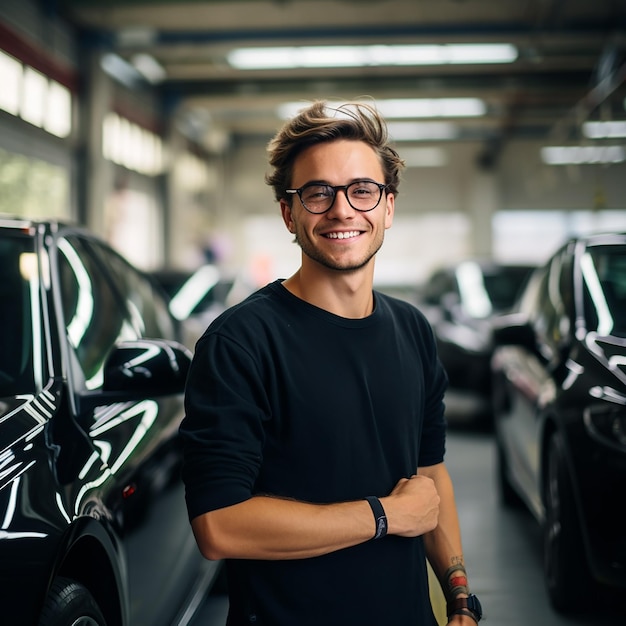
(140, 369)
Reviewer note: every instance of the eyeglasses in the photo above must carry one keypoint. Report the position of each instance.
(362, 195)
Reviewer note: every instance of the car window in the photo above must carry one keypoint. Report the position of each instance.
(504, 284)
(94, 317)
(440, 283)
(148, 309)
(18, 283)
(604, 289)
(543, 303)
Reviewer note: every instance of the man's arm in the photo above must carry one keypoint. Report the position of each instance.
(443, 544)
(264, 527)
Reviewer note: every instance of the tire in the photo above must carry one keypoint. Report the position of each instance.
(70, 604)
(564, 551)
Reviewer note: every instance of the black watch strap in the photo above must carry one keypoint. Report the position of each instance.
(471, 603)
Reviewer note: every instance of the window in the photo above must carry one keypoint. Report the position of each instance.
(34, 97)
(147, 309)
(19, 328)
(94, 318)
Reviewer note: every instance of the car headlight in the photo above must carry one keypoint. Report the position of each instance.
(606, 423)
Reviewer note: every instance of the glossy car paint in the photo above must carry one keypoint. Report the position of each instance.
(89, 456)
(460, 302)
(560, 385)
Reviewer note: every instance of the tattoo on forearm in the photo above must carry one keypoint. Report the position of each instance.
(455, 578)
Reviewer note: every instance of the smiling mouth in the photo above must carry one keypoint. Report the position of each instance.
(347, 235)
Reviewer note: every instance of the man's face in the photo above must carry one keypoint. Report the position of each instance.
(342, 238)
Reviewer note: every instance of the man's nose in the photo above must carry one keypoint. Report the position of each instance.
(340, 202)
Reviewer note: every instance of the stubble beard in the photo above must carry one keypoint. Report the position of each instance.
(319, 257)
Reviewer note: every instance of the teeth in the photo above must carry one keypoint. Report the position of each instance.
(348, 235)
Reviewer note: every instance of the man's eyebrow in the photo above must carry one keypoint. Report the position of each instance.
(358, 179)
(315, 182)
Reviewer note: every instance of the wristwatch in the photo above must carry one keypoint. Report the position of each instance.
(471, 603)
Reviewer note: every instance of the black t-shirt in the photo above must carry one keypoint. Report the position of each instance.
(287, 399)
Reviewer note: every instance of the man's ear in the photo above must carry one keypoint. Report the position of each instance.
(285, 211)
(390, 208)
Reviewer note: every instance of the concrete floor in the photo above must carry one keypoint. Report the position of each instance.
(502, 548)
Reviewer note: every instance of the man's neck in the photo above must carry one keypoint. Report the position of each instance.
(347, 294)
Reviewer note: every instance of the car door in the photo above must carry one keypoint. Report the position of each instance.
(161, 577)
(107, 301)
(534, 378)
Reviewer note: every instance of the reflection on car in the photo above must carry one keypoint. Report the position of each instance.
(93, 525)
(460, 302)
(559, 396)
(197, 297)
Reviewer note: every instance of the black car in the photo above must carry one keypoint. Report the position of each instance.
(460, 301)
(197, 297)
(93, 524)
(559, 395)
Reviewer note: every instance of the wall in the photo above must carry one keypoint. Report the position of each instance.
(442, 213)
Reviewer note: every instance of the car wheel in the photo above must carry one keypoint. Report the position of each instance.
(564, 552)
(70, 604)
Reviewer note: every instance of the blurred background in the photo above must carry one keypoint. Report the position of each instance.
(148, 121)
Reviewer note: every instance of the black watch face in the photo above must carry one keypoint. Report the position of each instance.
(473, 604)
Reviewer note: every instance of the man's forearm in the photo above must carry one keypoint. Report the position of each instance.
(273, 528)
(443, 544)
(269, 528)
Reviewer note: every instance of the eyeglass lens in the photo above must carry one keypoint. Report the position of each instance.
(361, 195)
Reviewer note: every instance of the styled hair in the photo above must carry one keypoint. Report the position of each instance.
(321, 123)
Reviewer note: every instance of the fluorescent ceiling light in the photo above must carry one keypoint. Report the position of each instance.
(604, 130)
(149, 67)
(431, 107)
(579, 155)
(421, 131)
(119, 69)
(291, 57)
(406, 108)
(424, 157)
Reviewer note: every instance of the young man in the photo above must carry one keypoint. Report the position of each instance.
(314, 432)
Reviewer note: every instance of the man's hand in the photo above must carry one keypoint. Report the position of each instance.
(412, 508)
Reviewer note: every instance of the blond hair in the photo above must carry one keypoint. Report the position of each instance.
(320, 123)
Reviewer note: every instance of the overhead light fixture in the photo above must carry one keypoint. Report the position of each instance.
(149, 68)
(120, 70)
(581, 155)
(407, 108)
(605, 130)
(422, 131)
(292, 57)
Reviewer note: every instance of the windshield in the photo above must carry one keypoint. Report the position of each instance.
(485, 291)
(604, 278)
(18, 275)
(504, 285)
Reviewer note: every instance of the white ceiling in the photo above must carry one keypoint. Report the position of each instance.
(571, 64)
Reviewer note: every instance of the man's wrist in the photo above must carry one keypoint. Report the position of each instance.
(379, 516)
(465, 612)
(469, 606)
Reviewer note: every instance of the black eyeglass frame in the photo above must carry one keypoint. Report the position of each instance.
(335, 188)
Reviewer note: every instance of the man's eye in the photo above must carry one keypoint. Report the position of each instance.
(362, 190)
(317, 193)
